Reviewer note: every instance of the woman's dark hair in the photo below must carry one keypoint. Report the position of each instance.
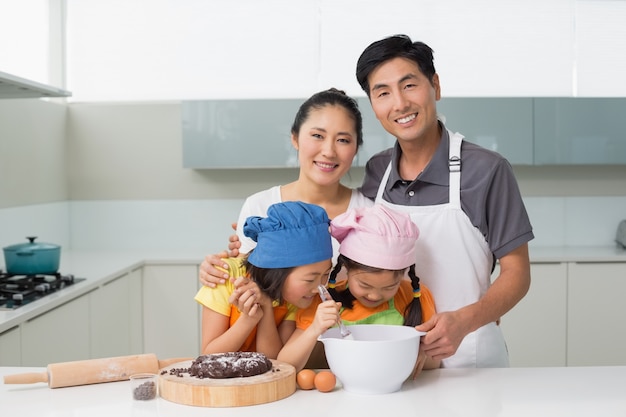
(330, 97)
(269, 280)
(397, 46)
(412, 313)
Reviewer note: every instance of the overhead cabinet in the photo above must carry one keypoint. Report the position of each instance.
(579, 131)
(238, 133)
(527, 131)
(257, 133)
(12, 86)
(503, 125)
(375, 138)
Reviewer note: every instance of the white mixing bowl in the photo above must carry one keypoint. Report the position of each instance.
(377, 361)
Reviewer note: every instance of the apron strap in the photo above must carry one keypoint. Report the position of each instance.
(383, 182)
(454, 165)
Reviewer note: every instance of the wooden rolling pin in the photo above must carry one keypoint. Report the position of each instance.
(93, 371)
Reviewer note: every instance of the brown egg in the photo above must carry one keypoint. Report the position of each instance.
(306, 379)
(325, 381)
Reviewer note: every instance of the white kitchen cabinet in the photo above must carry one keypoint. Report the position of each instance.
(10, 347)
(115, 313)
(535, 328)
(171, 316)
(59, 335)
(596, 329)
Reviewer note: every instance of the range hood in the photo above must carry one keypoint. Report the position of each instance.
(16, 87)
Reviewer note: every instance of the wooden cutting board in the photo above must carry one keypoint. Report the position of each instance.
(276, 384)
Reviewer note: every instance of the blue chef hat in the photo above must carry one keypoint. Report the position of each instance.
(292, 234)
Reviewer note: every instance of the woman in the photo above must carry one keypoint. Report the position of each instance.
(327, 132)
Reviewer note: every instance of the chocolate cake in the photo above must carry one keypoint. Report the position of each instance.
(230, 365)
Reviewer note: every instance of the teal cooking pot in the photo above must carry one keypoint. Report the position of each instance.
(32, 258)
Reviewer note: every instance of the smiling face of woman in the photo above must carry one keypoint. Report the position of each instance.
(326, 144)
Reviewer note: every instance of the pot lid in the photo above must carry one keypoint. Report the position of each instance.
(32, 245)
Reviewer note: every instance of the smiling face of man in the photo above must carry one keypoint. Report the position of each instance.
(404, 100)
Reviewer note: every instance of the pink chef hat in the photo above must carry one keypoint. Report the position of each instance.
(376, 236)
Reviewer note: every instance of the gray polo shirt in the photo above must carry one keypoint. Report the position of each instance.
(490, 195)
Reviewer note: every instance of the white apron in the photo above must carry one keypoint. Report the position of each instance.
(454, 262)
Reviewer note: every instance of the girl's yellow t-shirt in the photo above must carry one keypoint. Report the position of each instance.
(216, 299)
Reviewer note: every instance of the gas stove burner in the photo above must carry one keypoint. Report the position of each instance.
(17, 290)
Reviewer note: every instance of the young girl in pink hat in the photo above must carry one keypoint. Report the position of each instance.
(377, 250)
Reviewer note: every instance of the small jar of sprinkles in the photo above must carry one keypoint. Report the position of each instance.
(144, 386)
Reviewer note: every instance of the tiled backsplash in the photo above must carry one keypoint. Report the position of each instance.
(575, 221)
(205, 224)
(50, 223)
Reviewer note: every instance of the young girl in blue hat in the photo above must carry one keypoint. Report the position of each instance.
(256, 312)
(377, 249)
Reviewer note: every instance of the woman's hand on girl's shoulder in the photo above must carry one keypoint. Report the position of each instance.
(209, 275)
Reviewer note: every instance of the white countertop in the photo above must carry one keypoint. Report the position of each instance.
(523, 392)
(97, 267)
(552, 254)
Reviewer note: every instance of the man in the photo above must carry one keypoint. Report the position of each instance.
(464, 199)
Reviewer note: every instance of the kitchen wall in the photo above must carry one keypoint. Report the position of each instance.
(103, 173)
(196, 49)
(33, 158)
(117, 181)
(34, 190)
(144, 141)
